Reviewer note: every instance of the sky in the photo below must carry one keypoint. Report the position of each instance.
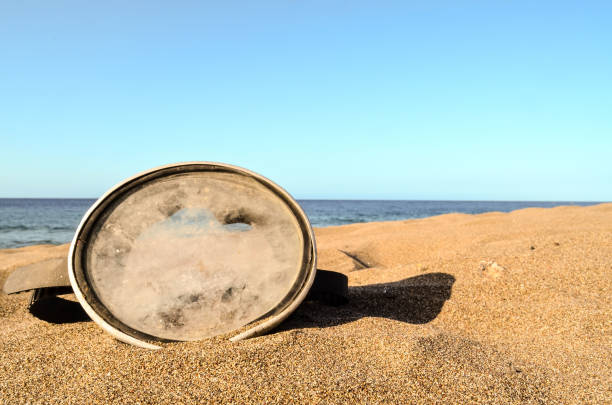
(446, 100)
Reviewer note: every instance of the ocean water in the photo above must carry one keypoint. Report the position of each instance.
(26, 222)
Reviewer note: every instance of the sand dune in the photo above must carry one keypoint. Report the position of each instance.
(490, 308)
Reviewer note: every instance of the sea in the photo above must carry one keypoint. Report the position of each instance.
(33, 221)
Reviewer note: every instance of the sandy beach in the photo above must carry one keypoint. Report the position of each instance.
(490, 308)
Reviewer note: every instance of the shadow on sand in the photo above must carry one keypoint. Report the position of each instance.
(59, 310)
(415, 300)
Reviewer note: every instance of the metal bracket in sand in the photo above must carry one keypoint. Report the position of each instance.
(47, 273)
(45, 279)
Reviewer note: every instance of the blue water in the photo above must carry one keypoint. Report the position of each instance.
(35, 221)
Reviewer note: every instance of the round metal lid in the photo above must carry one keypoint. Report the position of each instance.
(192, 250)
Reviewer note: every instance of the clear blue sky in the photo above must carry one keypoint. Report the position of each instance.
(368, 100)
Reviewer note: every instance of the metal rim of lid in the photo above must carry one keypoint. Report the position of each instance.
(138, 339)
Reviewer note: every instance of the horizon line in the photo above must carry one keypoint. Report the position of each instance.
(342, 199)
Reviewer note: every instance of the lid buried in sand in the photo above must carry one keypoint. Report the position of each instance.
(189, 251)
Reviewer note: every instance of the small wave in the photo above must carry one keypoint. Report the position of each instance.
(61, 228)
(22, 243)
(17, 228)
(334, 221)
(9, 228)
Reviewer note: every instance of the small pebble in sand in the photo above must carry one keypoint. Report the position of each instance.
(491, 268)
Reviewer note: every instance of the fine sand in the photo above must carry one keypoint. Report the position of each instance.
(490, 308)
